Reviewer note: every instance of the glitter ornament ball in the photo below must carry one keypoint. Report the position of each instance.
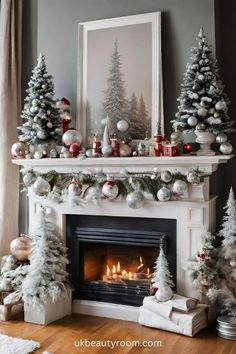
(71, 136)
(38, 155)
(122, 125)
(166, 176)
(200, 127)
(193, 178)
(75, 187)
(192, 121)
(41, 187)
(20, 247)
(135, 200)
(220, 105)
(18, 150)
(42, 134)
(163, 194)
(226, 148)
(202, 112)
(28, 179)
(75, 149)
(89, 153)
(221, 138)
(110, 189)
(179, 188)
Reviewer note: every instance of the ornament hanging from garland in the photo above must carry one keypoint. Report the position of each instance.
(163, 194)
(135, 200)
(179, 188)
(110, 189)
(41, 186)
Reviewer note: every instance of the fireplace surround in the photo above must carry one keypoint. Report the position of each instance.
(98, 245)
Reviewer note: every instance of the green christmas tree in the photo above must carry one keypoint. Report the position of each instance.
(203, 105)
(41, 119)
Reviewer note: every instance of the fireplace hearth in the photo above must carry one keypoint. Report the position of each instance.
(112, 258)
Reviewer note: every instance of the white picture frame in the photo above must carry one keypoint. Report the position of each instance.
(85, 28)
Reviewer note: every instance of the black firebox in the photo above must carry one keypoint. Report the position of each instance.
(112, 258)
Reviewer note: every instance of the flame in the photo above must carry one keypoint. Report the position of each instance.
(114, 269)
(118, 267)
(124, 273)
(130, 275)
(148, 271)
(108, 272)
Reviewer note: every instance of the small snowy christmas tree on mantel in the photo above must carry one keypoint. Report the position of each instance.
(41, 119)
(47, 275)
(162, 279)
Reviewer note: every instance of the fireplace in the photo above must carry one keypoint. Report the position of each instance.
(112, 258)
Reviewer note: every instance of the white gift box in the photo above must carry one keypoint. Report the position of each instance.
(49, 312)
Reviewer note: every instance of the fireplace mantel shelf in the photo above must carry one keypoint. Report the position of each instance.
(208, 164)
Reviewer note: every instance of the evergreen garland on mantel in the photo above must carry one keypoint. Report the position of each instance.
(85, 185)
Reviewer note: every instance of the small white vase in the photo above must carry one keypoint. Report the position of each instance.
(205, 139)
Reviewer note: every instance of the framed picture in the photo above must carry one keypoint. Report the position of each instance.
(120, 76)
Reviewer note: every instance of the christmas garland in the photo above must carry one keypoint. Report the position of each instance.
(85, 185)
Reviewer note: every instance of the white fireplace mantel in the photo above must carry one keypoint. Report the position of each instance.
(207, 164)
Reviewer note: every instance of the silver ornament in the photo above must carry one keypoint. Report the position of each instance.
(28, 179)
(193, 178)
(42, 134)
(220, 105)
(49, 124)
(176, 137)
(163, 194)
(38, 155)
(71, 136)
(221, 138)
(192, 121)
(41, 187)
(93, 193)
(110, 189)
(35, 102)
(89, 153)
(179, 187)
(226, 148)
(135, 200)
(122, 125)
(202, 112)
(200, 127)
(19, 149)
(166, 176)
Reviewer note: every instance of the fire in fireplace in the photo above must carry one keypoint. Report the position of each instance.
(112, 258)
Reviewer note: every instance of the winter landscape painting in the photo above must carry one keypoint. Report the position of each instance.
(118, 76)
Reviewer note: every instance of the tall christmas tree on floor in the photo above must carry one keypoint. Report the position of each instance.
(41, 119)
(47, 276)
(115, 103)
(203, 105)
(162, 279)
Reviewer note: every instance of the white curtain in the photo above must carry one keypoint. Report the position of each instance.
(10, 96)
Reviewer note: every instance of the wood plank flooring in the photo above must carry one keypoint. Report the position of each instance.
(60, 337)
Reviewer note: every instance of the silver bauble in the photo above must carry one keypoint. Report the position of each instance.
(135, 200)
(89, 153)
(193, 178)
(221, 138)
(93, 193)
(202, 112)
(49, 124)
(220, 105)
(166, 176)
(35, 102)
(71, 136)
(110, 190)
(163, 194)
(41, 186)
(226, 148)
(18, 150)
(122, 125)
(38, 155)
(192, 121)
(107, 150)
(179, 187)
(176, 137)
(28, 179)
(42, 134)
(200, 127)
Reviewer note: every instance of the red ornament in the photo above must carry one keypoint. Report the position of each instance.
(187, 148)
(110, 189)
(201, 255)
(66, 120)
(75, 149)
(96, 149)
(65, 101)
(158, 148)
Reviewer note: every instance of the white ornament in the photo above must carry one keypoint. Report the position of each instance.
(179, 187)
(226, 148)
(122, 125)
(193, 178)
(164, 293)
(200, 127)
(49, 124)
(93, 193)
(41, 187)
(221, 138)
(166, 176)
(89, 153)
(124, 150)
(232, 263)
(192, 121)
(135, 200)
(38, 155)
(71, 136)
(220, 105)
(163, 194)
(42, 134)
(28, 179)
(110, 189)
(202, 112)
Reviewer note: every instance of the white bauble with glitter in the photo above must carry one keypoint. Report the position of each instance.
(226, 148)
(110, 189)
(38, 155)
(166, 176)
(193, 178)
(221, 138)
(135, 200)
(192, 121)
(179, 187)
(42, 134)
(122, 125)
(71, 136)
(202, 112)
(220, 105)
(41, 187)
(163, 194)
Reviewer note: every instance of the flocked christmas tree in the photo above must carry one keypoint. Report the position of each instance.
(47, 275)
(41, 119)
(227, 261)
(115, 103)
(203, 105)
(161, 278)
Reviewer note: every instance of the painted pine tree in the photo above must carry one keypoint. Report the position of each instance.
(203, 105)
(41, 119)
(133, 117)
(115, 103)
(145, 122)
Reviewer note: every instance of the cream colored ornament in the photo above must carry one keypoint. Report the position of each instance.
(20, 247)
(202, 112)
(125, 150)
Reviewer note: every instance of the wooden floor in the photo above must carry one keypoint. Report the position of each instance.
(60, 337)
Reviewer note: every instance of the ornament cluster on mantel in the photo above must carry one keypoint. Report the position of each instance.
(162, 186)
